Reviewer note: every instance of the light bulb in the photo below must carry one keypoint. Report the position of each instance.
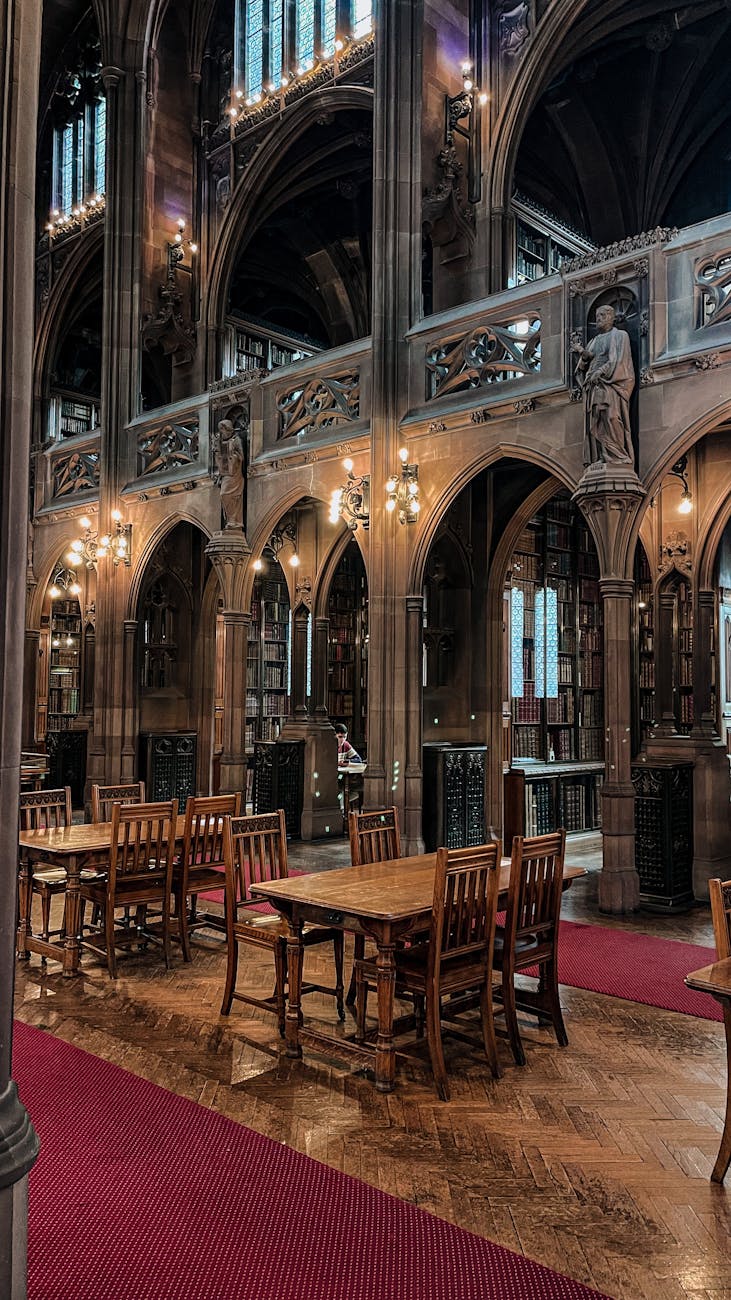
(391, 485)
(77, 546)
(75, 589)
(258, 565)
(54, 592)
(415, 506)
(403, 455)
(284, 82)
(121, 544)
(105, 540)
(116, 515)
(234, 112)
(390, 505)
(74, 559)
(642, 604)
(69, 640)
(468, 83)
(686, 504)
(483, 97)
(84, 522)
(348, 465)
(295, 560)
(181, 224)
(339, 44)
(239, 94)
(102, 552)
(414, 489)
(56, 641)
(193, 248)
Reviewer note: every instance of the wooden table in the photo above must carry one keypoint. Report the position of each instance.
(716, 980)
(387, 901)
(73, 848)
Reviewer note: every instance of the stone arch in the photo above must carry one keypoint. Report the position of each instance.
(54, 312)
(158, 535)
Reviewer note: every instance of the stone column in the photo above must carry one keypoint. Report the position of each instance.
(610, 498)
(396, 306)
(229, 553)
(320, 645)
(30, 675)
(19, 60)
(413, 838)
(129, 694)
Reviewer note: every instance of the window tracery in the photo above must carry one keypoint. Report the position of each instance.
(274, 37)
(79, 134)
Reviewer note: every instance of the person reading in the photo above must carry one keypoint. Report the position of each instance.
(346, 753)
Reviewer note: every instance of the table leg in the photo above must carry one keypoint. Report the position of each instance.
(71, 918)
(295, 953)
(24, 902)
(385, 986)
(723, 1159)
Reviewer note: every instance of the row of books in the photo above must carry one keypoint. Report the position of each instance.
(275, 631)
(539, 818)
(274, 676)
(592, 709)
(591, 747)
(63, 699)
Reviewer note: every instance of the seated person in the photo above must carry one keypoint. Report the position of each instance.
(346, 753)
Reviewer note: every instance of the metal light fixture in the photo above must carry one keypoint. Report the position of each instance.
(115, 545)
(285, 533)
(64, 583)
(352, 501)
(402, 491)
(679, 471)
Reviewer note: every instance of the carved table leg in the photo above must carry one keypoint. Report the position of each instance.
(723, 1159)
(24, 905)
(385, 1052)
(71, 918)
(295, 952)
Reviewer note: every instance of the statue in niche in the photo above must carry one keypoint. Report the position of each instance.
(606, 375)
(229, 455)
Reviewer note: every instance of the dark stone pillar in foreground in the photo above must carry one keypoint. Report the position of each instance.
(19, 60)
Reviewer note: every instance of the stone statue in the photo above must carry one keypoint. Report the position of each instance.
(229, 454)
(606, 375)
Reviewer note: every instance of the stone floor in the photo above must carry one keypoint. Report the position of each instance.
(594, 1159)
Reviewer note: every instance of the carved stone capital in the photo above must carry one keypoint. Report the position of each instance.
(229, 553)
(111, 76)
(609, 497)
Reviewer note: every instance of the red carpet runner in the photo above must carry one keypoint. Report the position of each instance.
(638, 967)
(139, 1194)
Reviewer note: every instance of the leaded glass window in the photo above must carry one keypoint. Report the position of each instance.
(517, 616)
(254, 47)
(546, 644)
(305, 33)
(329, 27)
(79, 158)
(362, 18)
(100, 146)
(276, 28)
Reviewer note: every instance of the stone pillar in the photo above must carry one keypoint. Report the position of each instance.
(229, 553)
(129, 696)
(413, 838)
(30, 676)
(19, 61)
(396, 306)
(300, 622)
(610, 497)
(320, 646)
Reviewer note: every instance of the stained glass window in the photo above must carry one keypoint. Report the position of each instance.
(276, 23)
(100, 144)
(362, 18)
(66, 170)
(517, 612)
(305, 32)
(329, 14)
(546, 644)
(254, 47)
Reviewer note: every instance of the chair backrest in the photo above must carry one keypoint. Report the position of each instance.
(535, 890)
(255, 850)
(42, 809)
(374, 836)
(720, 892)
(466, 883)
(103, 796)
(204, 827)
(142, 841)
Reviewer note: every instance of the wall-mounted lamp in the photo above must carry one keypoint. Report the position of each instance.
(402, 491)
(679, 471)
(352, 501)
(92, 547)
(64, 584)
(177, 247)
(461, 119)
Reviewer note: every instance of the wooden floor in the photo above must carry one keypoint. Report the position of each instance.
(594, 1159)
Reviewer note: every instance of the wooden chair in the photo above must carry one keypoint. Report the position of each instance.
(141, 853)
(201, 864)
(374, 837)
(39, 810)
(720, 894)
(530, 935)
(457, 956)
(255, 850)
(104, 796)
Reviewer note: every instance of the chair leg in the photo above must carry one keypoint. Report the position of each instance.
(419, 1015)
(554, 1002)
(231, 967)
(488, 1028)
(109, 940)
(338, 944)
(181, 907)
(511, 1018)
(280, 974)
(46, 914)
(166, 932)
(358, 955)
(436, 1051)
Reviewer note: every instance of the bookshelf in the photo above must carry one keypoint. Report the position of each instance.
(64, 672)
(683, 667)
(348, 648)
(645, 649)
(267, 658)
(556, 674)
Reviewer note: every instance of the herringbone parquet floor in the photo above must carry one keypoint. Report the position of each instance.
(594, 1160)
